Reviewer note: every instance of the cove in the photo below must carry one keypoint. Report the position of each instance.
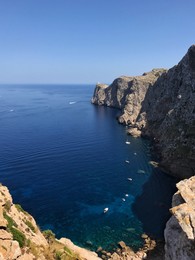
(65, 160)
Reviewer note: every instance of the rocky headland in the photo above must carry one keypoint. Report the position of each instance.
(160, 105)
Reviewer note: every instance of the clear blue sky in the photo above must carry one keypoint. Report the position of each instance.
(85, 41)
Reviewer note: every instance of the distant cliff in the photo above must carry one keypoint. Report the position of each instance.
(159, 104)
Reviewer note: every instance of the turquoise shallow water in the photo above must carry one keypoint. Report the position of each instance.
(65, 160)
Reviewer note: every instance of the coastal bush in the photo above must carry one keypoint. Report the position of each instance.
(10, 220)
(19, 208)
(30, 225)
(58, 255)
(70, 254)
(8, 205)
(18, 236)
(49, 235)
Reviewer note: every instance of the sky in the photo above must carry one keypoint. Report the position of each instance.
(89, 41)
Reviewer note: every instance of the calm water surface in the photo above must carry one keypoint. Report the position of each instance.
(64, 161)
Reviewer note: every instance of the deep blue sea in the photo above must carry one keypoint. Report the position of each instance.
(65, 160)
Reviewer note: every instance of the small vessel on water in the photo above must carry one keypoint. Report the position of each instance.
(127, 142)
(105, 210)
(129, 179)
(127, 161)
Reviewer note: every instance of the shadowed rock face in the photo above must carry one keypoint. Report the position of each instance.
(192, 58)
(160, 104)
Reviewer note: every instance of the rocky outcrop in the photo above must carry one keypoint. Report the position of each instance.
(180, 229)
(159, 104)
(21, 239)
(17, 230)
(127, 94)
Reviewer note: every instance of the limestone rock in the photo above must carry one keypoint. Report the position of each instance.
(134, 132)
(126, 93)
(180, 229)
(9, 249)
(83, 253)
(3, 221)
(122, 244)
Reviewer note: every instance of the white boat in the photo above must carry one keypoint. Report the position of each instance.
(129, 179)
(123, 199)
(126, 195)
(141, 171)
(105, 210)
(127, 142)
(127, 161)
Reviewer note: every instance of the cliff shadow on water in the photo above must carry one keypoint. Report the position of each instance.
(152, 206)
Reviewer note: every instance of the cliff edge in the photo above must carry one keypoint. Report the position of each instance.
(180, 229)
(159, 104)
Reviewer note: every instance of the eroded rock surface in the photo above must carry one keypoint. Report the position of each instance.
(180, 229)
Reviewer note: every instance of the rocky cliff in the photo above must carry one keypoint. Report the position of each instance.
(159, 104)
(21, 239)
(180, 229)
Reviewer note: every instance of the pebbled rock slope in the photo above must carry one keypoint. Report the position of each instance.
(159, 104)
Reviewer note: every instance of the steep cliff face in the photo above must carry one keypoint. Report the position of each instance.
(21, 239)
(168, 112)
(159, 104)
(180, 229)
(127, 94)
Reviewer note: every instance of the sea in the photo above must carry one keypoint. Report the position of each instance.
(65, 160)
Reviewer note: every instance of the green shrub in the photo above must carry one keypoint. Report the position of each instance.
(49, 235)
(10, 221)
(58, 255)
(67, 250)
(19, 208)
(30, 225)
(8, 205)
(18, 236)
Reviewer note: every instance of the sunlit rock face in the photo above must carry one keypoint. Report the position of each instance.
(180, 229)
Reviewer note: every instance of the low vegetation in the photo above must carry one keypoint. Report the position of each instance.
(20, 209)
(30, 225)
